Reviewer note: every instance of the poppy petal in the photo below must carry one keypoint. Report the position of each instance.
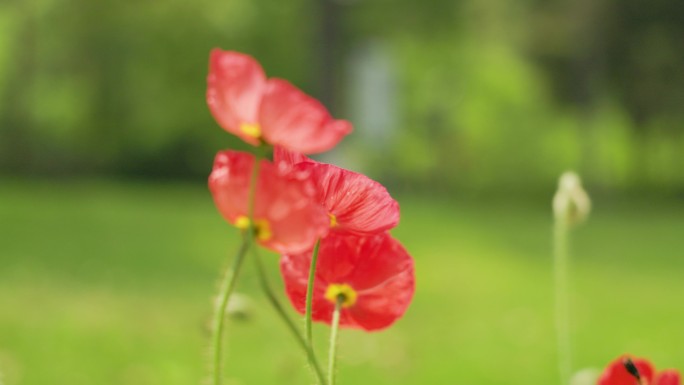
(229, 183)
(288, 159)
(298, 122)
(291, 221)
(377, 268)
(381, 306)
(359, 204)
(668, 377)
(235, 86)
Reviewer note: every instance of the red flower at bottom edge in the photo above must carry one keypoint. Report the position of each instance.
(616, 374)
(374, 275)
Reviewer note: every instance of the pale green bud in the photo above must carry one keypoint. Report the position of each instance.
(587, 376)
(571, 204)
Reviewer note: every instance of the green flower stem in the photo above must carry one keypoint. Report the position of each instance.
(560, 258)
(265, 285)
(229, 281)
(332, 355)
(309, 295)
(227, 286)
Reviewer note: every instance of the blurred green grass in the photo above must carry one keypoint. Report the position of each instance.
(111, 283)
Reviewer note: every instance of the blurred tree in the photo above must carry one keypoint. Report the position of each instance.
(490, 93)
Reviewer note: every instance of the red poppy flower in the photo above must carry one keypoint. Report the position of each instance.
(668, 377)
(260, 110)
(374, 276)
(356, 204)
(617, 374)
(286, 217)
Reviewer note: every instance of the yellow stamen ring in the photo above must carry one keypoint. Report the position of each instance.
(242, 222)
(262, 228)
(333, 220)
(251, 129)
(341, 291)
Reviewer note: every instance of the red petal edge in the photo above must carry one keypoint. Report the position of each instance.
(298, 122)
(361, 205)
(235, 87)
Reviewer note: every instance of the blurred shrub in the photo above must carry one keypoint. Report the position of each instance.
(491, 96)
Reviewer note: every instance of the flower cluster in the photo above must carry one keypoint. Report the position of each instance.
(637, 371)
(296, 202)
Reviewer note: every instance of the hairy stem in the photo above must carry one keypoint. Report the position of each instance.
(227, 286)
(332, 354)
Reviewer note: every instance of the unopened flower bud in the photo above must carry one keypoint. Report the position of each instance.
(239, 307)
(571, 204)
(587, 376)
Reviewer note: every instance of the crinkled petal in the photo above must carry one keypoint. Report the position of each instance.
(295, 271)
(235, 87)
(296, 121)
(379, 307)
(363, 262)
(360, 205)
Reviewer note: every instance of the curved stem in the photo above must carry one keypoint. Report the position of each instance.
(263, 280)
(227, 286)
(332, 355)
(309, 295)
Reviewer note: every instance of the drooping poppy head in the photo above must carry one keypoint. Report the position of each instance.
(373, 276)
(286, 217)
(271, 111)
(618, 373)
(356, 204)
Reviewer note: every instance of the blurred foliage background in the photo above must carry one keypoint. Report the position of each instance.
(473, 96)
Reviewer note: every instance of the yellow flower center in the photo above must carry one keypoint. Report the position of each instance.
(262, 228)
(251, 129)
(342, 292)
(242, 222)
(333, 220)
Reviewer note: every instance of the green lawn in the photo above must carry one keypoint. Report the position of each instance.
(107, 283)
